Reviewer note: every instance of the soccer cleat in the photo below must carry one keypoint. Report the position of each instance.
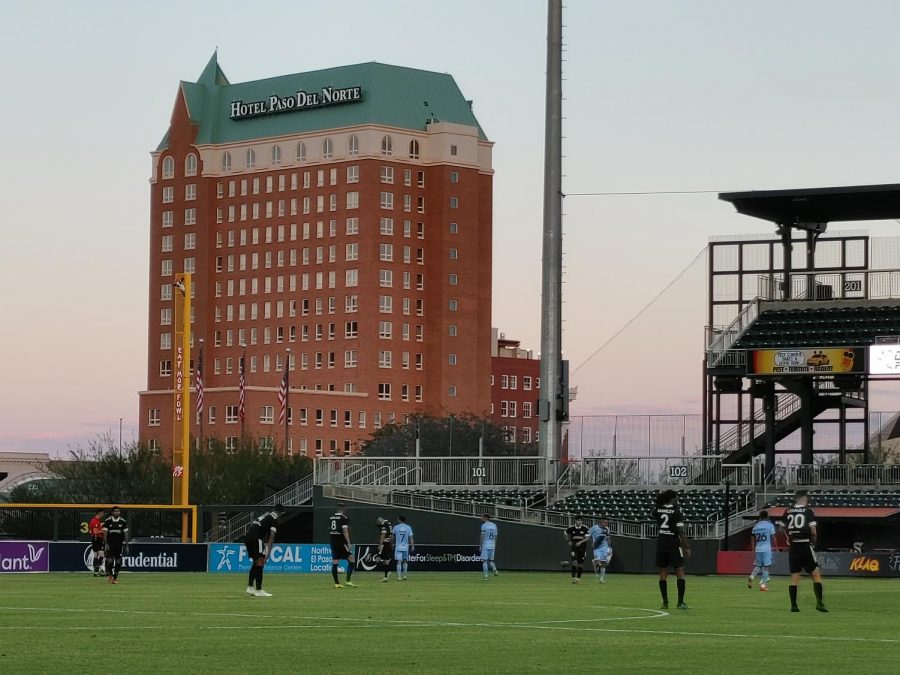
(484, 578)
(384, 580)
(403, 578)
(574, 580)
(763, 587)
(749, 583)
(821, 608)
(350, 584)
(262, 594)
(114, 581)
(665, 605)
(683, 605)
(795, 608)
(109, 579)
(338, 586)
(251, 590)
(496, 573)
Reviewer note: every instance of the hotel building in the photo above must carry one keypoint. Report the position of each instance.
(337, 221)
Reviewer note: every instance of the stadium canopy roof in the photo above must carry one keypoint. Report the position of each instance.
(819, 205)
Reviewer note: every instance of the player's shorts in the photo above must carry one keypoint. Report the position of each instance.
(763, 559)
(387, 554)
(802, 558)
(603, 554)
(666, 559)
(578, 554)
(339, 551)
(401, 556)
(255, 548)
(487, 553)
(114, 549)
(96, 544)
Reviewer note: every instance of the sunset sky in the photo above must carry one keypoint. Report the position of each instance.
(660, 96)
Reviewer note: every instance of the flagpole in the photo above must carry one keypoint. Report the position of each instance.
(287, 394)
(243, 384)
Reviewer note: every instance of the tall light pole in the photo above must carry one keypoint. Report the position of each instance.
(120, 436)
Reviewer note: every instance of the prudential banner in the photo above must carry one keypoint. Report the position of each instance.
(24, 556)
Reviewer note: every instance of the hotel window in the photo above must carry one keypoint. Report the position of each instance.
(226, 161)
(454, 203)
(387, 146)
(512, 408)
(526, 409)
(407, 177)
(386, 226)
(420, 307)
(384, 359)
(419, 393)
(451, 390)
(385, 278)
(168, 168)
(168, 195)
(165, 368)
(168, 218)
(351, 304)
(454, 254)
(250, 159)
(190, 266)
(504, 408)
(526, 382)
(385, 330)
(452, 330)
(332, 202)
(276, 155)
(327, 149)
(190, 165)
(351, 329)
(333, 177)
(166, 268)
(420, 230)
(190, 216)
(384, 391)
(385, 304)
(407, 202)
(387, 200)
(153, 418)
(454, 228)
(420, 177)
(190, 241)
(167, 243)
(420, 361)
(301, 153)
(407, 258)
(414, 149)
(352, 200)
(352, 174)
(165, 316)
(165, 292)
(350, 358)
(504, 381)
(451, 359)
(352, 252)
(420, 204)
(165, 341)
(454, 176)
(351, 278)
(526, 434)
(353, 146)
(387, 174)
(513, 382)
(453, 151)
(267, 414)
(386, 252)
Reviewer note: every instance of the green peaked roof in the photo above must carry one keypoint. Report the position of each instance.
(393, 96)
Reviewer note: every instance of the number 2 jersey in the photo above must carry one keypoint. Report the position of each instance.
(798, 520)
(669, 520)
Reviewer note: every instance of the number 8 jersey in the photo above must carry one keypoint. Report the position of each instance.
(798, 520)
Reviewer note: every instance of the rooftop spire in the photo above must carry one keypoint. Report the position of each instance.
(212, 74)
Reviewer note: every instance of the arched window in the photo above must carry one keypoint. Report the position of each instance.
(387, 146)
(168, 168)
(190, 165)
(226, 161)
(327, 149)
(251, 158)
(276, 155)
(414, 149)
(301, 151)
(353, 146)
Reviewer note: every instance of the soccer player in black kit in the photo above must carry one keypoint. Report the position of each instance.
(259, 540)
(672, 547)
(577, 536)
(341, 548)
(385, 545)
(800, 523)
(115, 540)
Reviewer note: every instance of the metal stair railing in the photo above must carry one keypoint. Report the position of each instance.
(726, 338)
(236, 527)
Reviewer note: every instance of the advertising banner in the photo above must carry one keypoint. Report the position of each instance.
(843, 564)
(24, 556)
(824, 361)
(141, 557)
(284, 558)
(426, 558)
(884, 359)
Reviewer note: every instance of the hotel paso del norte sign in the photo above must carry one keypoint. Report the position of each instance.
(302, 100)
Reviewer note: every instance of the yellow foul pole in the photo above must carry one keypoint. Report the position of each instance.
(181, 427)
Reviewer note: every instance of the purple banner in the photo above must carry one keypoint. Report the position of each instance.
(24, 556)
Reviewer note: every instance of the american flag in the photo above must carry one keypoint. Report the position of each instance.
(283, 391)
(241, 390)
(200, 382)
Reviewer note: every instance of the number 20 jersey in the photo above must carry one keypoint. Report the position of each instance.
(797, 520)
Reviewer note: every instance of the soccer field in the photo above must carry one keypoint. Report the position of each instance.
(440, 623)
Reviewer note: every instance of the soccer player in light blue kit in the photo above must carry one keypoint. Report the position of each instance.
(403, 544)
(488, 544)
(763, 534)
(599, 534)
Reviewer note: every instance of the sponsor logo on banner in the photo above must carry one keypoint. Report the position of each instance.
(283, 558)
(884, 359)
(24, 556)
(141, 557)
(864, 563)
(426, 558)
(832, 360)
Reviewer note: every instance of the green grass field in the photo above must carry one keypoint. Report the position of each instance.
(440, 623)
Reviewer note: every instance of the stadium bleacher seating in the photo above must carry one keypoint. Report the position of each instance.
(697, 505)
(844, 499)
(820, 327)
(512, 497)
